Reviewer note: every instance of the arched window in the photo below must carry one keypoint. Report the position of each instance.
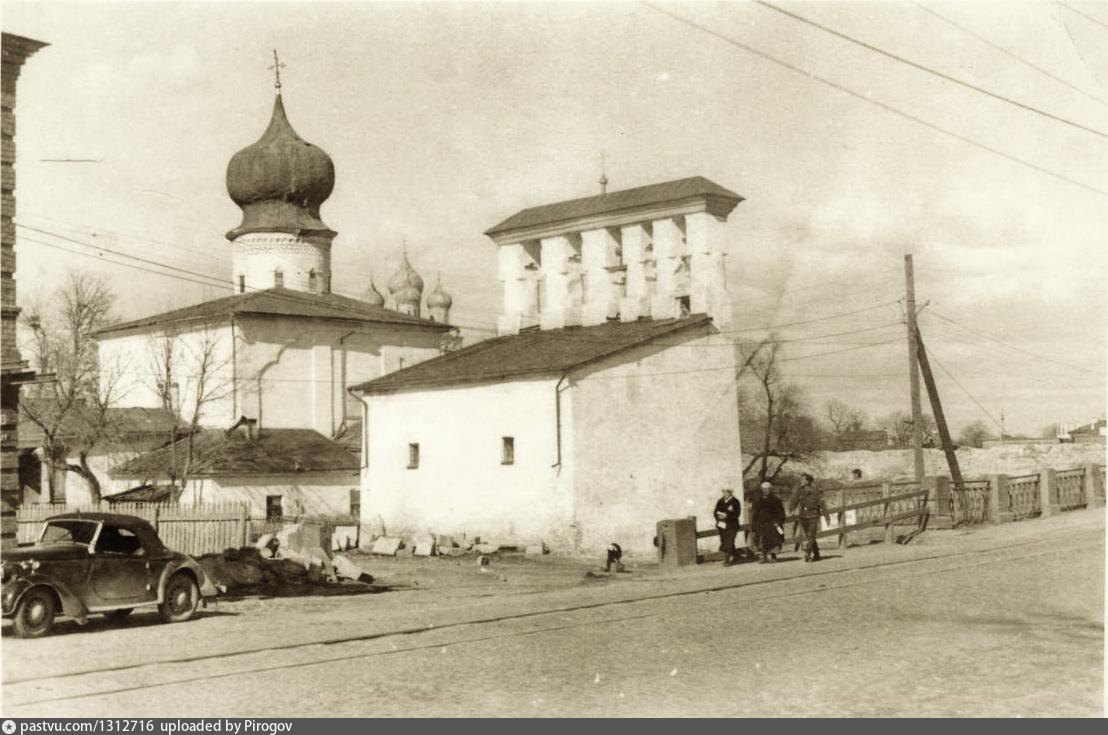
(279, 278)
(313, 280)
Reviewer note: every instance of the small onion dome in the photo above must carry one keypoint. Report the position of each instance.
(408, 295)
(439, 299)
(406, 277)
(372, 296)
(280, 181)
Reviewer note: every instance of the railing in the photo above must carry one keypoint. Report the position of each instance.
(1024, 498)
(969, 502)
(896, 504)
(1070, 487)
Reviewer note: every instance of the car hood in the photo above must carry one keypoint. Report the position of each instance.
(46, 552)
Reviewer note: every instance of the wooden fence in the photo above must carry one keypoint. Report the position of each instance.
(860, 508)
(190, 529)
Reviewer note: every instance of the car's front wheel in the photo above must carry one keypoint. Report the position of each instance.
(34, 617)
(118, 616)
(182, 597)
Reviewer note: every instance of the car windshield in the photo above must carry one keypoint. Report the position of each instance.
(69, 531)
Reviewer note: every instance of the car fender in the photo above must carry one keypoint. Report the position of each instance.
(207, 589)
(72, 605)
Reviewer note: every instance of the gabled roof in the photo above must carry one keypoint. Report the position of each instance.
(123, 423)
(279, 302)
(146, 494)
(273, 451)
(696, 187)
(536, 352)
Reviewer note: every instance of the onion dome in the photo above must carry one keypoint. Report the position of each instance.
(280, 181)
(408, 295)
(439, 299)
(372, 296)
(406, 278)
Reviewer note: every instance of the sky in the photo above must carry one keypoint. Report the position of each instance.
(444, 118)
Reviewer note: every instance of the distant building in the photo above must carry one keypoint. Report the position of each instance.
(608, 401)
(1095, 432)
(853, 440)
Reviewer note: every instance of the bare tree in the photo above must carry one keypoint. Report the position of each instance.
(975, 433)
(73, 410)
(777, 416)
(1050, 431)
(843, 419)
(186, 373)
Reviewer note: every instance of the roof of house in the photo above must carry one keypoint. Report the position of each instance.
(123, 422)
(1091, 428)
(146, 494)
(271, 452)
(533, 352)
(618, 201)
(280, 302)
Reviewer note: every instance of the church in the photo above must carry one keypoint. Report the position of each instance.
(607, 402)
(265, 371)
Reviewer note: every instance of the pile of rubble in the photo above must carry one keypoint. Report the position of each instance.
(432, 545)
(292, 562)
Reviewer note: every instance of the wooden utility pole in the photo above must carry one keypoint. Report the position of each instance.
(913, 367)
(937, 409)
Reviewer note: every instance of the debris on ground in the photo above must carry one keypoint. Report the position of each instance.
(245, 571)
(347, 569)
(386, 546)
(423, 545)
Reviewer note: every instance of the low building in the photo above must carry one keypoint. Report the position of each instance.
(849, 441)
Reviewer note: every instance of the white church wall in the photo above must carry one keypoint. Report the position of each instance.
(293, 373)
(460, 486)
(137, 359)
(656, 436)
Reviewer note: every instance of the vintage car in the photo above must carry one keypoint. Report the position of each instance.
(89, 563)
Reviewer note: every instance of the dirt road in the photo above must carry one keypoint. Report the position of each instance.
(1006, 620)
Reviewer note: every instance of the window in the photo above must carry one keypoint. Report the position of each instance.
(413, 456)
(279, 278)
(356, 503)
(273, 508)
(242, 284)
(507, 450)
(684, 306)
(115, 540)
(313, 280)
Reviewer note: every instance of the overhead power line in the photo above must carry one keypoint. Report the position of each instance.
(931, 354)
(1008, 53)
(857, 95)
(1010, 346)
(1087, 17)
(929, 70)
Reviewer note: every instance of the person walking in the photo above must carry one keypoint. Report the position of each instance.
(807, 503)
(768, 518)
(727, 521)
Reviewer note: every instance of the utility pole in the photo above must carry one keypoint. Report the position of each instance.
(940, 417)
(913, 367)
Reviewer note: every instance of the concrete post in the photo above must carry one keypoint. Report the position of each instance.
(890, 529)
(938, 502)
(1048, 492)
(1000, 505)
(1094, 490)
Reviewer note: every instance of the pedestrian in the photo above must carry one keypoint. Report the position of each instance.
(807, 503)
(727, 521)
(769, 517)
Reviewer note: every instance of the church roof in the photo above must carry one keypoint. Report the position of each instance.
(272, 451)
(536, 352)
(669, 192)
(279, 302)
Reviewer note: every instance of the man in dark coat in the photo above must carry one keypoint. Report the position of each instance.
(807, 503)
(769, 515)
(727, 521)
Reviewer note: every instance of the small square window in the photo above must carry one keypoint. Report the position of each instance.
(507, 450)
(273, 508)
(413, 456)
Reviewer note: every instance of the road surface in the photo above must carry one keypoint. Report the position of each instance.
(1001, 621)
